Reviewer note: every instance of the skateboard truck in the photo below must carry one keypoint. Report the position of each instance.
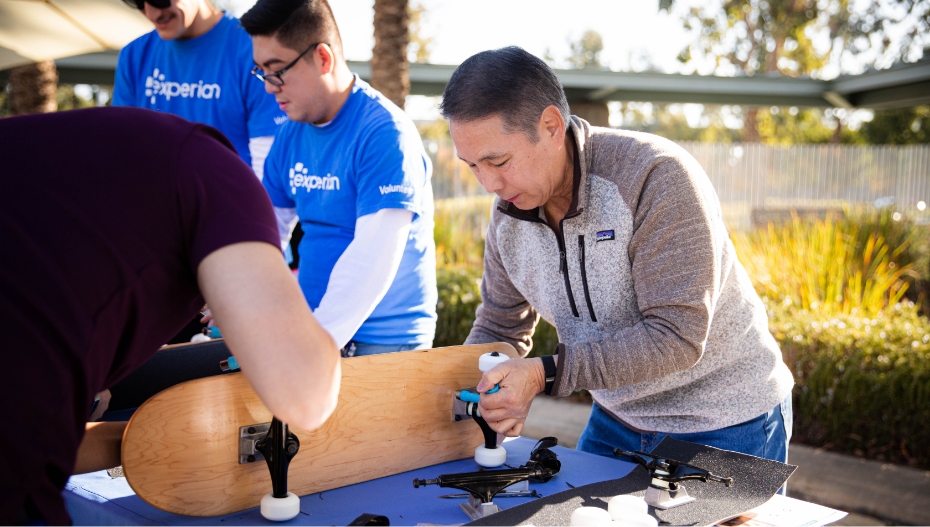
(490, 454)
(278, 446)
(665, 490)
(483, 485)
(465, 405)
(274, 443)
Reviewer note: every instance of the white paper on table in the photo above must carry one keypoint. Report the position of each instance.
(782, 511)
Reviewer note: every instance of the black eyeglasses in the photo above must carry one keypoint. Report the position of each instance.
(140, 4)
(275, 78)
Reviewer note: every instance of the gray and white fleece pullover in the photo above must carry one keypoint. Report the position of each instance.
(655, 314)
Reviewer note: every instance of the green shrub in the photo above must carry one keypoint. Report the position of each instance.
(863, 382)
(460, 225)
(459, 297)
(860, 356)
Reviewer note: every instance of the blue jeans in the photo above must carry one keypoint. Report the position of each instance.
(766, 436)
(357, 349)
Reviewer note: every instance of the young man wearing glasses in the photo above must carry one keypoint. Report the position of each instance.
(350, 166)
(195, 64)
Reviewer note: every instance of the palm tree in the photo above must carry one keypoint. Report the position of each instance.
(34, 88)
(390, 72)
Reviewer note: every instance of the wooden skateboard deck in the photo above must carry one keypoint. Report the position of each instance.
(180, 451)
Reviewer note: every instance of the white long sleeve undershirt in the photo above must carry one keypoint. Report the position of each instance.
(258, 149)
(364, 272)
(287, 220)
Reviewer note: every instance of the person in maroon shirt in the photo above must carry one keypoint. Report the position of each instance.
(115, 225)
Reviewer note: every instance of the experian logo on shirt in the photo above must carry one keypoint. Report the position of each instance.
(155, 84)
(300, 179)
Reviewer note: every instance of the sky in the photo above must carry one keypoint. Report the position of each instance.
(629, 28)
(635, 34)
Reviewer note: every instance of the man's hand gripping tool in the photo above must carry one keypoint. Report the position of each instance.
(465, 406)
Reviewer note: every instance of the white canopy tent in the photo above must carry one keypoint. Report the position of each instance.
(38, 30)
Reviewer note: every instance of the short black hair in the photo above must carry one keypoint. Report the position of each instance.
(508, 82)
(294, 23)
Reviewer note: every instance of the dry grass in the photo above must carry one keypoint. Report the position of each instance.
(845, 266)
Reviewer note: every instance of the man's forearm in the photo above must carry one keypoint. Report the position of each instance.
(256, 301)
(513, 323)
(645, 351)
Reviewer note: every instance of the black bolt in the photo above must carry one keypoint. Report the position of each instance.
(250, 459)
(495, 354)
(251, 430)
(291, 448)
(458, 418)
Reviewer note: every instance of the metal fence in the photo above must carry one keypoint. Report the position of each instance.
(752, 177)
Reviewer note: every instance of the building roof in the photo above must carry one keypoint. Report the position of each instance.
(901, 86)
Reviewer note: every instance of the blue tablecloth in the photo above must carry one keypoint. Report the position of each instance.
(97, 499)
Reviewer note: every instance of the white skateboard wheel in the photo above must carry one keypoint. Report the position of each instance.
(625, 504)
(490, 458)
(636, 519)
(200, 337)
(585, 516)
(280, 509)
(489, 360)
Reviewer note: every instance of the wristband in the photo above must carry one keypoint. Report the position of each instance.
(550, 370)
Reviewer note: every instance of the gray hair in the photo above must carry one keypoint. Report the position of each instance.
(508, 82)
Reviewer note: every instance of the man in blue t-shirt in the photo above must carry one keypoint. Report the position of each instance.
(351, 167)
(195, 65)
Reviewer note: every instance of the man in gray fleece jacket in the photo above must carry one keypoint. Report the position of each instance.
(617, 239)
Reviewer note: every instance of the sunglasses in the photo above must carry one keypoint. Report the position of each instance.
(140, 4)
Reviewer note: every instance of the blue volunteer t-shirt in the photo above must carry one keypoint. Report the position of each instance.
(204, 79)
(370, 157)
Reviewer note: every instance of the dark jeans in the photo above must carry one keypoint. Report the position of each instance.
(765, 436)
